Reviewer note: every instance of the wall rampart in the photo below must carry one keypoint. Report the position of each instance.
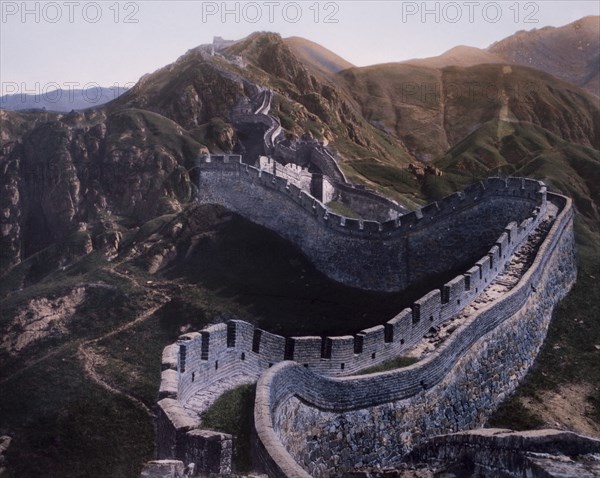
(321, 158)
(212, 354)
(368, 203)
(302, 414)
(201, 359)
(384, 256)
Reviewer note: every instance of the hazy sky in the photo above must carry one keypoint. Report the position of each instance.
(74, 43)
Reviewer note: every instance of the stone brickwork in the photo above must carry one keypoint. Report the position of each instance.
(312, 425)
(309, 152)
(296, 175)
(311, 417)
(367, 203)
(497, 452)
(383, 256)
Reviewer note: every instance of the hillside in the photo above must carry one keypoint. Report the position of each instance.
(316, 57)
(431, 109)
(571, 52)
(105, 258)
(458, 56)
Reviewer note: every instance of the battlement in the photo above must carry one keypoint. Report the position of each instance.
(517, 188)
(376, 255)
(208, 355)
(477, 230)
(448, 391)
(200, 359)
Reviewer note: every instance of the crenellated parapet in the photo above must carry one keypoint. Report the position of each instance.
(383, 256)
(306, 383)
(453, 389)
(208, 355)
(517, 189)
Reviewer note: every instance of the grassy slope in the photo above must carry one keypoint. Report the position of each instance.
(67, 427)
(570, 354)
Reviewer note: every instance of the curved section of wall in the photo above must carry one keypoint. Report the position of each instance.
(384, 256)
(223, 353)
(179, 435)
(216, 352)
(367, 203)
(303, 418)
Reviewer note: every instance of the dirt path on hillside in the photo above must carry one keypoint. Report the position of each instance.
(90, 359)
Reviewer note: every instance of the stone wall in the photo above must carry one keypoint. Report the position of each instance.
(367, 203)
(311, 153)
(344, 414)
(200, 359)
(384, 256)
(312, 425)
(296, 175)
(211, 354)
(496, 452)
(179, 435)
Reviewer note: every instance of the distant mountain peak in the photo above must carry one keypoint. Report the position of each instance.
(570, 52)
(317, 56)
(460, 55)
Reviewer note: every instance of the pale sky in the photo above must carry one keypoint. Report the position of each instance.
(78, 43)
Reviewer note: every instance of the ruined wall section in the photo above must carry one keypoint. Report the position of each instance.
(367, 203)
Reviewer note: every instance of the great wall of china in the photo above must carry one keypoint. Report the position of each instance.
(502, 309)
(513, 242)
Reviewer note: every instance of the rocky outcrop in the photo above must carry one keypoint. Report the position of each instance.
(59, 179)
(41, 319)
(489, 453)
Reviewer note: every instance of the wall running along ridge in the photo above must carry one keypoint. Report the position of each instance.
(383, 256)
(311, 425)
(221, 352)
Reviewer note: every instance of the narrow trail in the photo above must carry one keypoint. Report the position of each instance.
(90, 359)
